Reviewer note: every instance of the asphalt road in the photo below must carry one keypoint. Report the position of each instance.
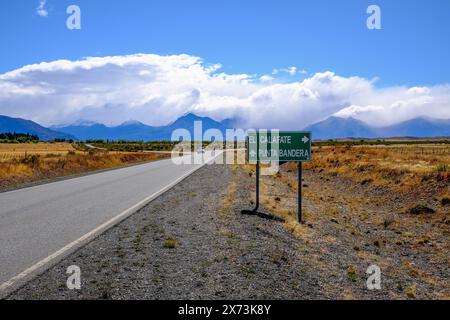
(39, 221)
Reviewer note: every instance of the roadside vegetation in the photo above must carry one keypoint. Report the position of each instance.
(382, 142)
(400, 167)
(140, 146)
(132, 146)
(31, 162)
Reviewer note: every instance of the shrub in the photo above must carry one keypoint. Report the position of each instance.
(170, 243)
(445, 200)
(32, 160)
(351, 274)
(421, 209)
(411, 291)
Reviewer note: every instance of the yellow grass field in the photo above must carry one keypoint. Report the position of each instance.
(30, 162)
(401, 167)
(12, 151)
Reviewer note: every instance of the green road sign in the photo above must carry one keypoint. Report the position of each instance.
(278, 146)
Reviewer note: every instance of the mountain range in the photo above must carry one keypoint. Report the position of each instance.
(330, 128)
(422, 127)
(17, 125)
(135, 130)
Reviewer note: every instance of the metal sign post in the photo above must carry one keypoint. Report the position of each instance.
(255, 209)
(299, 195)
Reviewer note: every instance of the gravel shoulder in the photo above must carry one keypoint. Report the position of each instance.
(193, 243)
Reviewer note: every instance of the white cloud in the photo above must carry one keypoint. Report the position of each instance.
(157, 89)
(40, 10)
(291, 71)
(266, 78)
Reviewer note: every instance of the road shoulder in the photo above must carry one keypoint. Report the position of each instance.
(189, 243)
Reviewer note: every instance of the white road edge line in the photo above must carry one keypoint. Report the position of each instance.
(8, 286)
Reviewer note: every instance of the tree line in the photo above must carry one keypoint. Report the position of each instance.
(18, 137)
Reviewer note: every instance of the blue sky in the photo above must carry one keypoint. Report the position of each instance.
(252, 36)
(220, 59)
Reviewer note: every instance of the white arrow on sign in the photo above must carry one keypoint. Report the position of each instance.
(305, 139)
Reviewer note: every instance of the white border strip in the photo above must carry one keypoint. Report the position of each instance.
(14, 283)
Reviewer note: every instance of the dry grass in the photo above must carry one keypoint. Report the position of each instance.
(33, 162)
(170, 243)
(14, 151)
(400, 167)
(231, 191)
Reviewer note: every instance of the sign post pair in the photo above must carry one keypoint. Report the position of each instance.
(279, 146)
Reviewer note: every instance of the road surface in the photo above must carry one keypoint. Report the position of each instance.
(40, 224)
